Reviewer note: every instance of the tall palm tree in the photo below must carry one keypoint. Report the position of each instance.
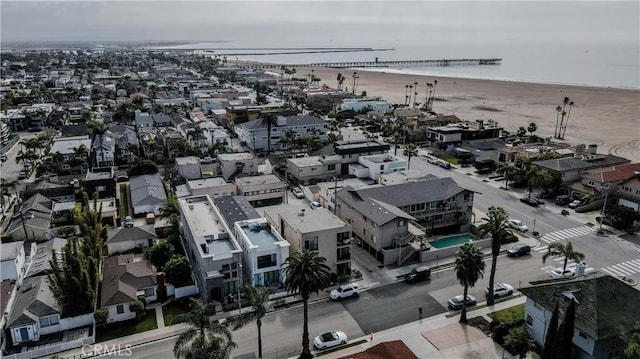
(497, 226)
(469, 267)
(411, 150)
(207, 339)
(558, 111)
(507, 169)
(557, 249)
(535, 176)
(260, 304)
(195, 134)
(566, 122)
(288, 140)
(305, 273)
(269, 120)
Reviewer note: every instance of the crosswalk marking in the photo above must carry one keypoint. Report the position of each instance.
(624, 268)
(566, 233)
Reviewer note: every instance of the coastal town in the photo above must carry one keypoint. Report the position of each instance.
(148, 191)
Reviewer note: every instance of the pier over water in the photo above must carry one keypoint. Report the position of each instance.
(394, 63)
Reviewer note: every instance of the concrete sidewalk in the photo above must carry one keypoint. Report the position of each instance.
(423, 337)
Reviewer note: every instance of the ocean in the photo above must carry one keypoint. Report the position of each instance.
(595, 43)
(579, 43)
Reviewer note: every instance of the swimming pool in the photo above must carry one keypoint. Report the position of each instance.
(453, 241)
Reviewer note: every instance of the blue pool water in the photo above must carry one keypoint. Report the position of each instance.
(453, 241)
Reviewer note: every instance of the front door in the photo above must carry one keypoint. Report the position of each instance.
(24, 333)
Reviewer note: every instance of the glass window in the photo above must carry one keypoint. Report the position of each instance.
(268, 260)
(311, 244)
(529, 320)
(149, 292)
(120, 309)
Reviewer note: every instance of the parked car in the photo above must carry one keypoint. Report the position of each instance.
(530, 201)
(418, 274)
(3, 158)
(297, 192)
(128, 221)
(559, 273)
(22, 175)
(575, 204)
(517, 251)
(345, 291)
(500, 290)
(330, 339)
(563, 200)
(315, 205)
(517, 224)
(206, 160)
(455, 303)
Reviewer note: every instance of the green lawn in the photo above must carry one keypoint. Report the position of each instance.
(121, 329)
(450, 159)
(172, 310)
(509, 314)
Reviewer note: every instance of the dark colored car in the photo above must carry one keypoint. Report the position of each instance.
(563, 200)
(530, 201)
(3, 158)
(517, 251)
(418, 274)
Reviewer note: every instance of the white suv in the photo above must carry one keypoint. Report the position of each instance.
(517, 224)
(345, 291)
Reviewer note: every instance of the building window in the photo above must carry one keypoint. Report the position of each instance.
(149, 292)
(120, 309)
(401, 223)
(101, 188)
(311, 244)
(582, 334)
(48, 321)
(331, 167)
(267, 261)
(529, 320)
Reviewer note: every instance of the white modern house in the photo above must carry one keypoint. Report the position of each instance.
(264, 252)
(359, 104)
(188, 167)
(234, 165)
(214, 253)
(375, 165)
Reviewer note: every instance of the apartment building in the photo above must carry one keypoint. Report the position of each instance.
(214, 253)
(264, 190)
(314, 230)
(264, 252)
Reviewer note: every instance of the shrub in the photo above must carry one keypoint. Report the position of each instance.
(500, 330)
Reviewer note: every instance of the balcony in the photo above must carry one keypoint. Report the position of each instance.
(344, 242)
(343, 255)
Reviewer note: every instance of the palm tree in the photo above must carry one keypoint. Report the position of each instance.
(557, 249)
(534, 178)
(195, 134)
(533, 127)
(411, 150)
(6, 184)
(288, 140)
(260, 305)
(558, 111)
(207, 338)
(469, 267)
(497, 226)
(507, 169)
(305, 273)
(269, 120)
(564, 128)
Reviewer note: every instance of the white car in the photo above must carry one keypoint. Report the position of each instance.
(517, 224)
(315, 205)
(345, 291)
(330, 339)
(297, 192)
(128, 221)
(559, 273)
(500, 290)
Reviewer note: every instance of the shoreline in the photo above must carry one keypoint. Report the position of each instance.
(605, 116)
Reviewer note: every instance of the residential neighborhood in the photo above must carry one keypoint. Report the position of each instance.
(153, 182)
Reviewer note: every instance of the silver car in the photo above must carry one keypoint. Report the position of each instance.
(330, 339)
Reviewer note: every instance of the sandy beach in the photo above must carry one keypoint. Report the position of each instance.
(607, 117)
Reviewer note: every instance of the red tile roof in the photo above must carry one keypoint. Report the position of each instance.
(388, 350)
(613, 173)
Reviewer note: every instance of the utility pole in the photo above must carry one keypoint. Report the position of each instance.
(335, 192)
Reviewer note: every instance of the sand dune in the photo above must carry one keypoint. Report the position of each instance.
(607, 117)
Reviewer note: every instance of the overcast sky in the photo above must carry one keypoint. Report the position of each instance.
(322, 21)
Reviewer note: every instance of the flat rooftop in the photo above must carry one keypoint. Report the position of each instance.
(208, 182)
(312, 221)
(253, 180)
(260, 233)
(207, 228)
(306, 161)
(235, 156)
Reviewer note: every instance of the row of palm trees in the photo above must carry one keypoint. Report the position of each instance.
(531, 175)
